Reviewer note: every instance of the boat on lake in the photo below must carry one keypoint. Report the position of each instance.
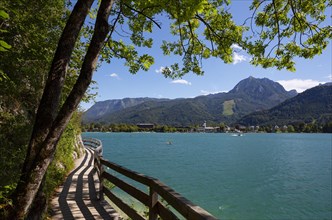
(237, 134)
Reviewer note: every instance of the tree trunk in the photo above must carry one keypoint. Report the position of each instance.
(48, 132)
(39, 205)
(49, 104)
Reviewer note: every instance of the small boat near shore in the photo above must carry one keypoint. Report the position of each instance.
(237, 135)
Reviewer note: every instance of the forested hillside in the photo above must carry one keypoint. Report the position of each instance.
(252, 102)
(248, 96)
(312, 106)
(100, 109)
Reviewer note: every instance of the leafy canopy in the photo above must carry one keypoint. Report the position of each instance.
(32, 41)
(275, 33)
(288, 29)
(4, 46)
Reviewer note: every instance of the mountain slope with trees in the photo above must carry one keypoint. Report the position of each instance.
(248, 96)
(100, 109)
(312, 106)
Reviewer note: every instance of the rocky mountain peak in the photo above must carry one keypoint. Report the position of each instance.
(262, 88)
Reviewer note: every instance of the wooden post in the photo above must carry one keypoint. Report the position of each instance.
(153, 212)
(101, 179)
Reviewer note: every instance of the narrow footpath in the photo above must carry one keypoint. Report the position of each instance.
(77, 198)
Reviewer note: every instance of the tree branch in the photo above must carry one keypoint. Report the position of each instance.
(212, 30)
(141, 13)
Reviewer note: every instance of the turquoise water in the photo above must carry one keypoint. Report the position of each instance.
(256, 176)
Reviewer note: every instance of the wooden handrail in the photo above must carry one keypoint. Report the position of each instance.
(95, 144)
(156, 189)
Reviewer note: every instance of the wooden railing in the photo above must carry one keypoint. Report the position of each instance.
(151, 200)
(95, 144)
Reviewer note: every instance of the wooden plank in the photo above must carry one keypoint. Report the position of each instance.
(128, 173)
(165, 213)
(123, 206)
(181, 204)
(131, 190)
(153, 211)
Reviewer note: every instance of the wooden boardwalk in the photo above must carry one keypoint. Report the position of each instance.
(77, 198)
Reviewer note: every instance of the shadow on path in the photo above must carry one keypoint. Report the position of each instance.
(77, 199)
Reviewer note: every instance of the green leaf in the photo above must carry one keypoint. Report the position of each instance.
(3, 14)
(4, 46)
(3, 76)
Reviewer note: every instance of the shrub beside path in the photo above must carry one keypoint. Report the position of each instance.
(77, 197)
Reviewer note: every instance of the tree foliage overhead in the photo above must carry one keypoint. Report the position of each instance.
(276, 32)
(287, 29)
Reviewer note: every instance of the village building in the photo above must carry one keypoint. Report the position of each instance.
(145, 125)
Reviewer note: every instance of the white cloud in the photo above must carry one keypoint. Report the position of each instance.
(329, 77)
(236, 47)
(299, 85)
(114, 75)
(239, 58)
(181, 81)
(160, 70)
(205, 92)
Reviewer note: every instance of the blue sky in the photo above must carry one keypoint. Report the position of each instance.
(115, 82)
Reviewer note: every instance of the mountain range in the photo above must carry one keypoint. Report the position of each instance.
(249, 96)
(101, 109)
(313, 105)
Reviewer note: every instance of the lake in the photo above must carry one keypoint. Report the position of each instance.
(255, 176)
